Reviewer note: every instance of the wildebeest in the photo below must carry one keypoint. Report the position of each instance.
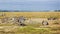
(4, 20)
(2, 14)
(51, 18)
(19, 20)
(45, 23)
(0, 21)
(8, 20)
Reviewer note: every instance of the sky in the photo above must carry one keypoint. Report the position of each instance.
(30, 5)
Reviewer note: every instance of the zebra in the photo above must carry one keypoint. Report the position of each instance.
(21, 20)
(45, 23)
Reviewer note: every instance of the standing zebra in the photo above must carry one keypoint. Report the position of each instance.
(21, 20)
(45, 23)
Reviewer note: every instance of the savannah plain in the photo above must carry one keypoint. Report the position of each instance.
(33, 23)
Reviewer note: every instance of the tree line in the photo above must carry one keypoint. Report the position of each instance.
(26, 11)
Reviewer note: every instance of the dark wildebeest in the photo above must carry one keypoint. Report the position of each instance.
(51, 18)
(45, 23)
(2, 14)
(4, 20)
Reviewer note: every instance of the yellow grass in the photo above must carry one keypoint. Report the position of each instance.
(33, 14)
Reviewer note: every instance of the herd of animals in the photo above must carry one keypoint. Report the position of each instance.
(20, 20)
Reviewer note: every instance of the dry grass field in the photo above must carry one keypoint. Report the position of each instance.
(33, 14)
(33, 24)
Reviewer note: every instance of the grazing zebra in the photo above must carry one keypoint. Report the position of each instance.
(45, 23)
(21, 20)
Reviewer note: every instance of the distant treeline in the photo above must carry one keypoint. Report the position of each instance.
(28, 11)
